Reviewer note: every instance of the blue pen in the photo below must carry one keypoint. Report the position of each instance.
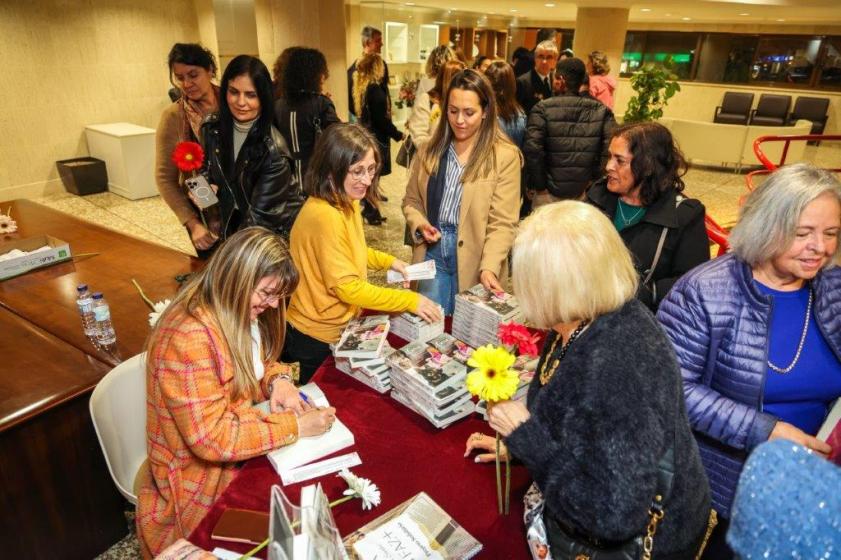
(304, 397)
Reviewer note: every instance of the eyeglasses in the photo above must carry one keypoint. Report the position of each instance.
(359, 173)
(268, 298)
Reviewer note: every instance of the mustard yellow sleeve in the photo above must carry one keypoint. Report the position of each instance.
(377, 260)
(367, 296)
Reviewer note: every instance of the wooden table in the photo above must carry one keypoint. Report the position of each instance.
(47, 297)
(58, 499)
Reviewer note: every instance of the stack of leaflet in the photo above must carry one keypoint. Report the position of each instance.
(363, 337)
(478, 314)
(373, 372)
(410, 327)
(525, 367)
(429, 378)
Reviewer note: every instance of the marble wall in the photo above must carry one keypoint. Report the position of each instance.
(67, 65)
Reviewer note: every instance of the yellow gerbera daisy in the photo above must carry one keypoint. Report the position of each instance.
(492, 380)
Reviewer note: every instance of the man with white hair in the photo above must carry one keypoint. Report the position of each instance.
(535, 86)
(372, 42)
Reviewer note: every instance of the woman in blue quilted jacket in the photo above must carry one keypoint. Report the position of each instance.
(758, 332)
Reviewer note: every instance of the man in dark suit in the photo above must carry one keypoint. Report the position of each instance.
(536, 85)
(372, 42)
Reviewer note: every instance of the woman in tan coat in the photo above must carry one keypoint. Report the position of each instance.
(211, 356)
(192, 69)
(462, 200)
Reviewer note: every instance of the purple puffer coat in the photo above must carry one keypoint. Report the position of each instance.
(718, 322)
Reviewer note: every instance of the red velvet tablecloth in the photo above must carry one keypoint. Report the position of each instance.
(403, 454)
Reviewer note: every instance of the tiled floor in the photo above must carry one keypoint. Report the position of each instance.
(151, 219)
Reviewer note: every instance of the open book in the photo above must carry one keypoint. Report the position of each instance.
(309, 449)
(418, 524)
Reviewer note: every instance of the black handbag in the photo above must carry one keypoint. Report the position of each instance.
(406, 153)
(567, 544)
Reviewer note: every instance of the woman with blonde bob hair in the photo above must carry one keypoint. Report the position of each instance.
(758, 331)
(604, 418)
(462, 199)
(212, 355)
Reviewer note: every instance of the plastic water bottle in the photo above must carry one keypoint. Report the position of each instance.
(84, 302)
(106, 337)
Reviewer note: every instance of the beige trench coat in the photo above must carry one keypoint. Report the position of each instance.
(487, 223)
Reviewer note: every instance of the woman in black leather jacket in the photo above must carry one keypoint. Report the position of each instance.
(247, 158)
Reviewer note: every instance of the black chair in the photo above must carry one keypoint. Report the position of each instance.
(771, 110)
(811, 109)
(734, 108)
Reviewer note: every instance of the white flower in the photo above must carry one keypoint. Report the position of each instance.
(362, 488)
(7, 224)
(160, 307)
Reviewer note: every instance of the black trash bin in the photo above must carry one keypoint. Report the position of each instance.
(83, 175)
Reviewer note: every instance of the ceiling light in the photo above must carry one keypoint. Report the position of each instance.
(668, 15)
(744, 14)
(513, 11)
(780, 19)
(645, 9)
(410, 3)
(686, 18)
(549, 5)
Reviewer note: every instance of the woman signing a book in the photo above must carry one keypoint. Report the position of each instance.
(328, 247)
(463, 197)
(210, 357)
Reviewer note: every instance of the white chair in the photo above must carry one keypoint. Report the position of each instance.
(118, 410)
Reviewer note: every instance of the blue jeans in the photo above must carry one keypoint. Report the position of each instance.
(443, 288)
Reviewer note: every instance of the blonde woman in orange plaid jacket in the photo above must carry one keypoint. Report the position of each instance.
(211, 356)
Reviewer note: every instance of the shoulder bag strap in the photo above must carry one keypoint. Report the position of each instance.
(660, 244)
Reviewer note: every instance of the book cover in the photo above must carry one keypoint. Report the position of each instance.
(363, 337)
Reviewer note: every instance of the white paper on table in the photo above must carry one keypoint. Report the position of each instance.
(419, 271)
(225, 554)
(398, 539)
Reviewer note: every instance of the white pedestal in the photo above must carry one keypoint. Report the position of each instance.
(128, 151)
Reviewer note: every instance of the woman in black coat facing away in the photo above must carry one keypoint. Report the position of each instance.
(606, 422)
(372, 101)
(302, 111)
(247, 158)
(641, 194)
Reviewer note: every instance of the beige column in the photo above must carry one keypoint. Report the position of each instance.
(601, 29)
(318, 24)
(207, 25)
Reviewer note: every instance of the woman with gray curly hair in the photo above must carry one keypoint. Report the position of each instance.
(758, 331)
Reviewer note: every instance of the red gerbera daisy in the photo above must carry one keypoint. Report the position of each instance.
(188, 156)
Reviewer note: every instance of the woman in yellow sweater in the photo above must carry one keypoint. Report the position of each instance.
(328, 247)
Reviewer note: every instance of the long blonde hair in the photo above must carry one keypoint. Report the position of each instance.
(222, 293)
(482, 161)
(370, 69)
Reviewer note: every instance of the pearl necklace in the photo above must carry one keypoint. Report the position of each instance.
(802, 341)
(625, 220)
(546, 376)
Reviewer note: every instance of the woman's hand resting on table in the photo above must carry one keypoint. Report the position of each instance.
(428, 310)
(316, 421)
(506, 416)
(285, 396)
(482, 442)
(784, 430)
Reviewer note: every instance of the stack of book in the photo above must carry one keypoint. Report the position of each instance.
(373, 372)
(429, 378)
(410, 327)
(362, 350)
(525, 366)
(478, 314)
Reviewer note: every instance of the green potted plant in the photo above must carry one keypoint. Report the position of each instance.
(654, 84)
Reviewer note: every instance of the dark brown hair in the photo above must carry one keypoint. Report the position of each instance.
(337, 149)
(501, 76)
(657, 163)
(482, 159)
